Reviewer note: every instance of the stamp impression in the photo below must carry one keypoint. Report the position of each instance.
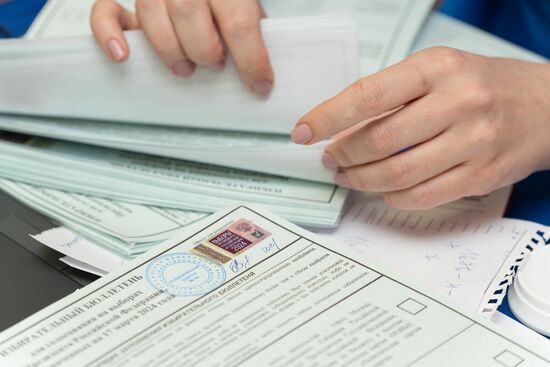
(184, 274)
(232, 241)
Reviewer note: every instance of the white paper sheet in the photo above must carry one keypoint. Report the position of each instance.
(455, 251)
(71, 77)
(519, 329)
(386, 28)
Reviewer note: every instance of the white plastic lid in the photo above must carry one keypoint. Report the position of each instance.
(529, 296)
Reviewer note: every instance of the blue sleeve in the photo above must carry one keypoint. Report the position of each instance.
(523, 22)
(17, 15)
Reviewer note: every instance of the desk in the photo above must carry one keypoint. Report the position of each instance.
(530, 198)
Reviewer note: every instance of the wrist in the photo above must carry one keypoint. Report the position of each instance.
(543, 107)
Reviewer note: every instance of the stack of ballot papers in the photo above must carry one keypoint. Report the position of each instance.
(57, 84)
(71, 78)
(265, 153)
(87, 85)
(160, 130)
(313, 58)
(95, 192)
(246, 288)
(165, 182)
(123, 229)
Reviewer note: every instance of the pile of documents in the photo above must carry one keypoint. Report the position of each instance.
(127, 167)
(87, 85)
(165, 182)
(123, 169)
(59, 85)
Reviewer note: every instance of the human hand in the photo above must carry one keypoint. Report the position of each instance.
(187, 33)
(444, 124)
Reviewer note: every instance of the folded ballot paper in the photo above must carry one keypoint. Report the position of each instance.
(164, 182)
(125, 230)
(313, 58)
(259, 152)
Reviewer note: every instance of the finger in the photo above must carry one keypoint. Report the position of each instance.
(449, 186)
(197, 33)
(408, 168)
(367, 98)
(239, 21)
(108, 21)
(416, 123)
(156, 23)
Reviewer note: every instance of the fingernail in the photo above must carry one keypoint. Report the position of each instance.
(262, 87)
(301, 134)
(184, 68)
(329, 161)
(342, 179)
(217, 66)
(116, 50)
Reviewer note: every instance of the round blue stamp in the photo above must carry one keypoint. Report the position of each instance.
(184, 274)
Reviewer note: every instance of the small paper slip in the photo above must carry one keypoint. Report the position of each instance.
(313, 58)
(78, 248)
(82, 266)
(287, 298)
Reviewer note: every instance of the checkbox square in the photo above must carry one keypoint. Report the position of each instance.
(508, 359)
(411, 306)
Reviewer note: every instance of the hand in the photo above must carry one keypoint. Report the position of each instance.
(444, 124)
(187, 33)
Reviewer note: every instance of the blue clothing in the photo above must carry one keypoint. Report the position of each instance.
(523, 22)
(17, 15)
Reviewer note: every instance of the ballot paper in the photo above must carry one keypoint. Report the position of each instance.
(396, 238)
(245, 288)
(386, 28)
(163, 182)
(463, 253)
(89, 85)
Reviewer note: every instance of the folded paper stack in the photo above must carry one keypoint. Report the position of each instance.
(139, 108)
(165, 182)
